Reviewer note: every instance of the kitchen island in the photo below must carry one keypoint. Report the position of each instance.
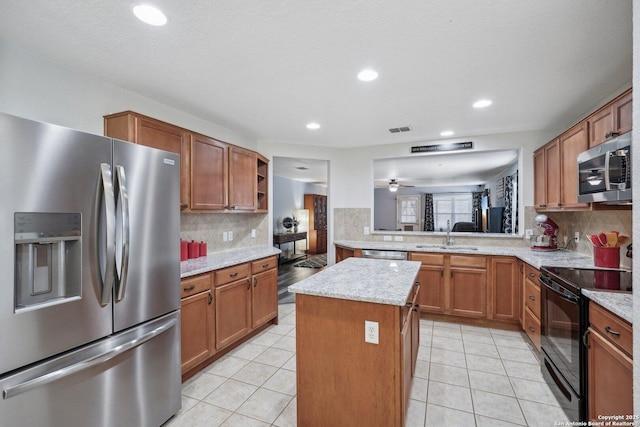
(357, 338)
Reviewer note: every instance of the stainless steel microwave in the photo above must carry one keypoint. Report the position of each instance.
(604, 172)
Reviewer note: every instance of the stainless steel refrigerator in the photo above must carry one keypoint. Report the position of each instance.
(89, 279)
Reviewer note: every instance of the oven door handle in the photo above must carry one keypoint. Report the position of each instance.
(558, 289)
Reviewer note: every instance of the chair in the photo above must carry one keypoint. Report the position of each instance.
(464, 226)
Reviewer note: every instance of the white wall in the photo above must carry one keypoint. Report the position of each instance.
(37, 89)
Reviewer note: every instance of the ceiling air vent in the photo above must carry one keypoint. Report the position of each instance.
(400, 129)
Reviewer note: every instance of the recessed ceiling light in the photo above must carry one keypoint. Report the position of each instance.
(446, 133)
(482, 103)
(149, 15)
(313, 126)
(367, 75)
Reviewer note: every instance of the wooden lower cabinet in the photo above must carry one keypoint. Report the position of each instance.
(610, 364)
(531, 304)
(264, 297)
(468, 292)
(343, 253)
(197, 329)
(452, 284)
(342, 380)
(432, 282)
(224, 307)
(233, 311)
(504, 301)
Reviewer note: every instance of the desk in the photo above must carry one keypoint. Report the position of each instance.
(279, 239)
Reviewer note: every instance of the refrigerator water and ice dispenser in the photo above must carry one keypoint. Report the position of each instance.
(48, 259)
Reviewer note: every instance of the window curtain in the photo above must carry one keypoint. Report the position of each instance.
(428, 212)
(476, 205)
(508, 225)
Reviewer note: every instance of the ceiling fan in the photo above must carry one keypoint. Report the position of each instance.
(394, 185)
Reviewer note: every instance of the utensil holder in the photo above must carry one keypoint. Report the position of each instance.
(608, 257)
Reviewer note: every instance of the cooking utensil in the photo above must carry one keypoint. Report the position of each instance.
(612, 239)
(602, 238)
(594, 239)
(623, 240)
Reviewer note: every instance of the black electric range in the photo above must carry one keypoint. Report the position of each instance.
(595, 279)
(564, 318)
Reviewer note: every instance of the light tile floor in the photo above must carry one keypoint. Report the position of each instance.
(465, 376)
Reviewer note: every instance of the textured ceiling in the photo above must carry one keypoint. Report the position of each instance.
(266, 68)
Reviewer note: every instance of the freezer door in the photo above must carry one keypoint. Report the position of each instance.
(129, 379)
(50, 285)
(147, 193)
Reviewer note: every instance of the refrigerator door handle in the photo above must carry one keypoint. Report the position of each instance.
(105, 192)
(122, 197)
(50, 377)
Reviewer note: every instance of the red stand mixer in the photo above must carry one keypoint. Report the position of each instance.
(548, 240)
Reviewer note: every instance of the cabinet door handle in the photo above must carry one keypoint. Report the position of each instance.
(183, 206)
(416, 307)
(265, 265)
(417, 283)
(532, 329)
(248, 283)
(255, 282)
(189, 288)
(611, 331)
(442, 272)
(585, 338)
(532, 298)
(233, 274)
(233, 207)
(532, 275)
(612, 133)
(210, 298)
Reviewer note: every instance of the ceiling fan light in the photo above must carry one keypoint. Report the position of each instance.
(393, 185)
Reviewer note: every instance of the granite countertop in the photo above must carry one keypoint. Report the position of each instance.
(536, 259)
(619, 303)
(359, 279)
(217, 260)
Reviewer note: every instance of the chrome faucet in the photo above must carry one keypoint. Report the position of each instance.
(449, 240)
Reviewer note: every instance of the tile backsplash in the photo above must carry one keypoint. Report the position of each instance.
(349, 224)
(209, 228)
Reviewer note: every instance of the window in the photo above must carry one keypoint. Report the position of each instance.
(409, 213)
(455, 207)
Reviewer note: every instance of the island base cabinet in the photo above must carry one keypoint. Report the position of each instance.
(343, 380)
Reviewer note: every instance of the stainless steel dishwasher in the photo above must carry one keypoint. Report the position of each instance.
(379, 254)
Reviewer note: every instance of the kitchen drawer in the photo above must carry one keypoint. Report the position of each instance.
(264, 264)
(532, 297)
(231, 274)
(532, 327)
(531, 273)
(427, 259)
(193, 285)
(468, 261)
(612, 327)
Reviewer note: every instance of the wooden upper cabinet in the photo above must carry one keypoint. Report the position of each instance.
(572, 142)
(214, 175)
(553, 174)
(612, 120)
(133, 127)
(242, 179)
(209, 174)
(262, 191)
(539, 180)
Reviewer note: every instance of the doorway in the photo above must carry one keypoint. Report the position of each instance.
(294, 181)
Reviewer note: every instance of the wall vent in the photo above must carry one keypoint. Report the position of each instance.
(400, 129)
